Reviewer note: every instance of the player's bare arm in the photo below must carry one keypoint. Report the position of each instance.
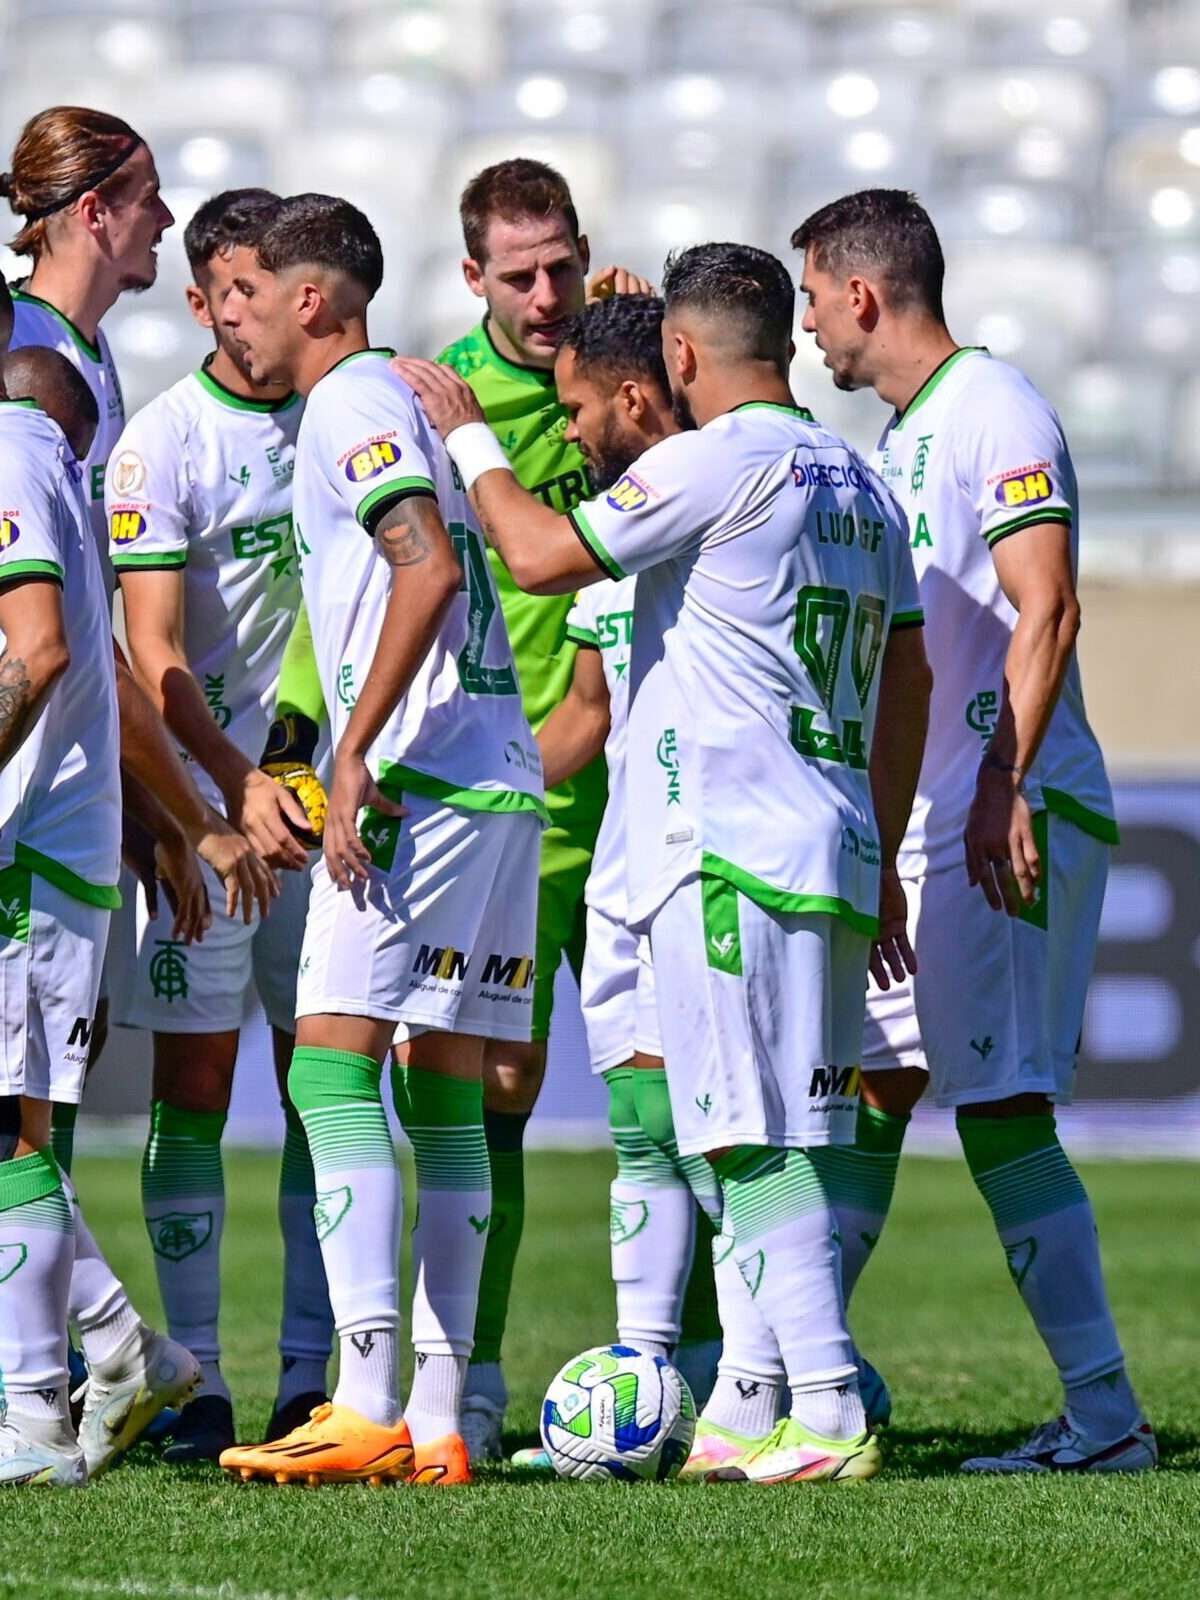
(425, 577)
(259, 807)
(901, 723)
(541, 549)
(574, 732)
(1034, 568)
(35, 657)
(155, 847)
(148, 754)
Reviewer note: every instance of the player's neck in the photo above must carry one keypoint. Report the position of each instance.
(756, 385)
(222, 369)
(511, 352)
(907, 360)
(74, 288)
(323, 354)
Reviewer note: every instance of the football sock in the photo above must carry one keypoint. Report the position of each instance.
(98, 1303)
(651, 1224)
(443, 1119)
(336, 1093)
(505, 1134)
(62, 1133)
(750, 1383)
(37, 1251)
(1045, 1222)
(859, 1179)
(306, 1331)
(785, 1246)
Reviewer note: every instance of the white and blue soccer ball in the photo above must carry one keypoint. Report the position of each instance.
(613, 1412)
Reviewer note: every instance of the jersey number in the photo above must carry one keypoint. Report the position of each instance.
(481, 613)
(823, 618)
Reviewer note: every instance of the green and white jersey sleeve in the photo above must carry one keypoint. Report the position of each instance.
(977, 456)
(36, 321)
(459, 734)
(772, 565)
(201, 482)
(60, 794)
(602, 619)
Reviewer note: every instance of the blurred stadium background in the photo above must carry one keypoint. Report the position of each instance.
(1057, 145)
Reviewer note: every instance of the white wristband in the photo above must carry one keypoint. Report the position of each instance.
(474, 450)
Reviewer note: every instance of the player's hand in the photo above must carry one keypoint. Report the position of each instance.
(1002, 857)
(248, 881)
(353, 788)
(449, 402)
(609, 281)
(892, 957)
(270, 817)
(183, 885)
(287, 760)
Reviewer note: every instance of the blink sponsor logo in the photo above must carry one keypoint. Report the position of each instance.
(668, 757)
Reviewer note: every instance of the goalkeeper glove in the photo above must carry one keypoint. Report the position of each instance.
(287, 758)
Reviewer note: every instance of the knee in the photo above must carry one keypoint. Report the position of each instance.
(512, 1075)
(894, 1092)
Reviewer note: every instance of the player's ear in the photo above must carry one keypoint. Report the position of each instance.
(198, 305)
(90, 207)
(585, 251)
(473, 274)
(310, 302)
(631, 400)
(861, 299)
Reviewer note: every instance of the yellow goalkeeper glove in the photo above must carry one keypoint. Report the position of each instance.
(287, 758)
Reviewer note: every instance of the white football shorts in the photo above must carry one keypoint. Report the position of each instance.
(616, 990)
(51, 952)
(761, 1015)
(997, 1004)
(443, 934)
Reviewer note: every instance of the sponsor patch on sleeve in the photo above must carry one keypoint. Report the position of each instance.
(128, 473)
(10, 530)
(629, 493)
(371, 457)
(126, 524)
(1026, 486)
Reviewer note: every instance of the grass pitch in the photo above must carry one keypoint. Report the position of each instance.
(936, 1312)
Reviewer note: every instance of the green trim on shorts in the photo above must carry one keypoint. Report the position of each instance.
(1038, 914)
(105, 895)
(722, 929)
(16, 894)
(1069, 809)
(784, 900)
(395, 778)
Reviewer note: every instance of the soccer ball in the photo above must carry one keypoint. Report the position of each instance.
(616, 1413)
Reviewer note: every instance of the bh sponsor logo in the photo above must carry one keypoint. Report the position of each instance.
(10, 530)
(126, 526)
(629, 493)
(1028, 487)
(369, 459)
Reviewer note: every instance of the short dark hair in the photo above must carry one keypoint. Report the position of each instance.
(233, 217)
(513, 190)
(749, 290)
(322, 231)
(885, 229)
(620, 338)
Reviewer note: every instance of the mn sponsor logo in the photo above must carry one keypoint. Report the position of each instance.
(329, 1208)
(10, 531)
(833, 1083)
(126, 526)
(442, 961)
(81, 1032)
(178, 1234)
(1020, 1256)
(626, 1219)
(12, 1259)
(668, 758)
(629, 493)
(369, 459)
(168, 971)
(1027, 487)
(510, 972)
(752, 1269)
(128, 473)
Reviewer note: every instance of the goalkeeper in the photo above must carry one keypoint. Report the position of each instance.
(198, 497)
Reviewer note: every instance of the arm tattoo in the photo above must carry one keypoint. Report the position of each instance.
(402, 544)
(17, 703)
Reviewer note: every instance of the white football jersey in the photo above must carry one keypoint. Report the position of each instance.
(201, 481)
(977, 455)
(602, 619)
(38, 322)
(459, 735)
(773, 565)
(60, 794)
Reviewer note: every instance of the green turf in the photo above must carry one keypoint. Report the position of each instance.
(936, 1312)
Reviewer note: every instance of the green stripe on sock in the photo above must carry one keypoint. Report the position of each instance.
(29, 1179)
(183, 1153)
(1020, 1168)
(443, 1119)
(331, 1077)
(863, 1174)
(337, 1095)
(761, 1187)
(639, 1159)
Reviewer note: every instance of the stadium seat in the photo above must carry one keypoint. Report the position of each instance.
(763, 40)
(1088, 34)
(378, 174)
(1153, 180)
(598, 37)
(539, 100)
(1035, 123)
(697, 127)
(1117, 420)
(858, 415)
(461, 38)
(1185, 438)
(121, 37)
(917, 37)
(975, 212)
(153, 347)
(287, 33)
(441, 308)
(650, 222)
(1158, 289)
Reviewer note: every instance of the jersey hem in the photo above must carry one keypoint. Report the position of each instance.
(787, 901)
(592, 544)
(1061, 804)
(908, 619)
(1054, 514)
(380, 500)
(106, 896)
(395, 777)
(31, 569)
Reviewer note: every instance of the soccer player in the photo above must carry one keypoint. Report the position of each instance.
(775, 617)
(199, 497)
(424, 919)
(1014, 776)
(60, 842)
(527, 261)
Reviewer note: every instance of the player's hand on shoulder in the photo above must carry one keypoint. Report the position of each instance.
(892, 956)
(449, 401)
(353, 790)
(610, 281)
(248, 881)
(1001, 853)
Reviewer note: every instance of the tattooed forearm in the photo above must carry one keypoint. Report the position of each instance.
(18, 705)
(401, 544)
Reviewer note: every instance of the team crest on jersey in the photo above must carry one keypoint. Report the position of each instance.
(126, 526)
(10, 530)
(371, 457)
(1027, 486)
(629, 493)
(128, 473)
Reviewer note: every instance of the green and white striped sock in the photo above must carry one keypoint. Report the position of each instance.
(860, 1179)
(37, 1252)
(357, 1214)
(306, 1330)
(62, 1133)
(183, 1202)
(443, 1119)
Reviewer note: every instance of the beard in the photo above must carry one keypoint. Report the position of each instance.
(609, 459)
(681, 410)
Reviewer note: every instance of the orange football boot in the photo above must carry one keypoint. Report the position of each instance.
(335, 1445)
(443, 1462)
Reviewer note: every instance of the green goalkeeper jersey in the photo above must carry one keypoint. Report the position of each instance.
(523, 411)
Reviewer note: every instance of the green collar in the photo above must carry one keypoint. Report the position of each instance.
(90, 350)
(357, 355)
(24, 402)
(802, 412)
(934, 378)
(238, 402)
